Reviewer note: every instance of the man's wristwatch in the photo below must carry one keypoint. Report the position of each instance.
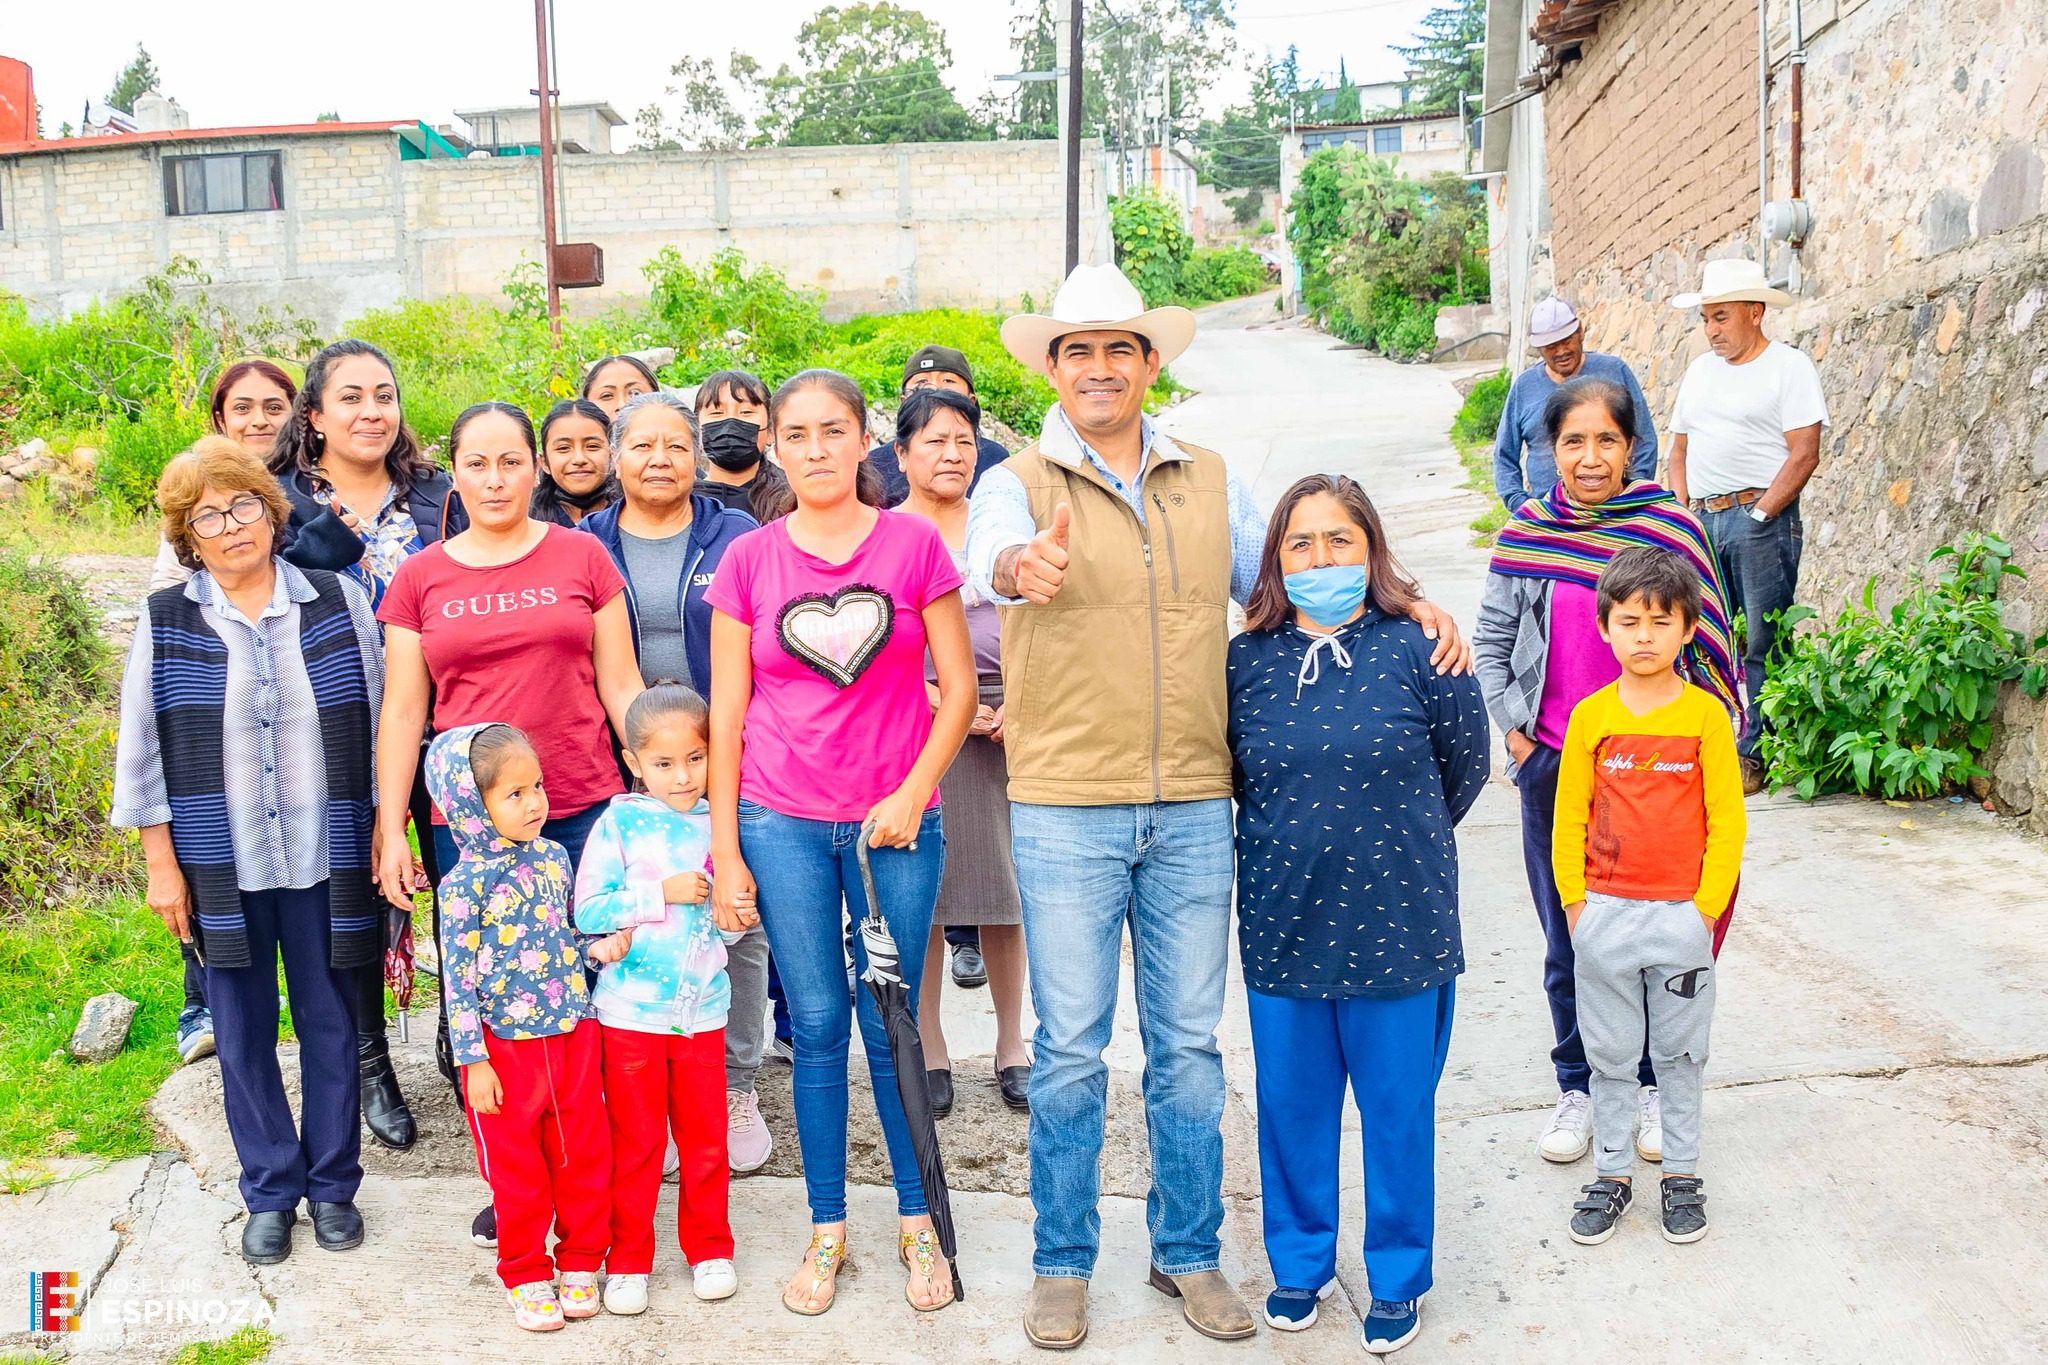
(1757, 514)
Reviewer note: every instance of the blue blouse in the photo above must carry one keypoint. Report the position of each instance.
(1353, 761)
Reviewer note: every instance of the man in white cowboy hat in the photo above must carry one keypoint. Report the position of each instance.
(1118, 550)
(1556, 335)
(1745, 439)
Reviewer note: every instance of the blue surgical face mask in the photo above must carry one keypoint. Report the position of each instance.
(1327, 596)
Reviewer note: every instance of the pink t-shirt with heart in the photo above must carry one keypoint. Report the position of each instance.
(839, 711)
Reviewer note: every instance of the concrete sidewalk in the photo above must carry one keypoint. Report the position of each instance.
(1875, 1144)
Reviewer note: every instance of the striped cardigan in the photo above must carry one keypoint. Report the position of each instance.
(189, 664)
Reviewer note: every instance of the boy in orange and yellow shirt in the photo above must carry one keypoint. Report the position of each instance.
(1647, 847)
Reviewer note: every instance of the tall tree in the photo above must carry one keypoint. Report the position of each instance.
(137, 78)
(870, 73)
(1131, 61)
(1241, 150)
(707, 119)
(1439, 54)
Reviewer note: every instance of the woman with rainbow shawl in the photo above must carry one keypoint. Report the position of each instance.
(1538, 653)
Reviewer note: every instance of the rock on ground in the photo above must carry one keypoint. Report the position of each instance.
(102, 1028)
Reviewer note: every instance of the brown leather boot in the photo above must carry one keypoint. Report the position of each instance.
(1056, 1318)
(1208, 1302)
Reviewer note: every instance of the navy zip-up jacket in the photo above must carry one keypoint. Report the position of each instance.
(1349, 780)
(317, 537)
(713, 528)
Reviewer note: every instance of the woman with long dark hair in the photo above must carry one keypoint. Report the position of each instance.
(611, 382)
(364, 499)
(732, 420)
(576, 477)
(1354, 759)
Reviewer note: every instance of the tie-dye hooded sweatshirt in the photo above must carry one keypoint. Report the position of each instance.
(513, 959)
(672, 980)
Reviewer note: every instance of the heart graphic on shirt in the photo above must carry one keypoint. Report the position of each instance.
(837, 635)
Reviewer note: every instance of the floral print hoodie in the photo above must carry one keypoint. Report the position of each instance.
(512, 957)
(672, 980)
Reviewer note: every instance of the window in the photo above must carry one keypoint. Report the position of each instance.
(241, 182)
(1386, 141)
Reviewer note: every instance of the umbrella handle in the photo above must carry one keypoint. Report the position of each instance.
(867, 873)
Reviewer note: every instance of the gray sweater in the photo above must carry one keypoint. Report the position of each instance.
(1511, 650)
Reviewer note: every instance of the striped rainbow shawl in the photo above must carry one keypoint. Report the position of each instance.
(1553, 537)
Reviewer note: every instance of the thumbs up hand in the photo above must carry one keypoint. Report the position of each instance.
(1042, 567)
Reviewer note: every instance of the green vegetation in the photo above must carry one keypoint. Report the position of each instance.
(245, 1346)
(1159, 257)
(1472, 433)
(1380, 253)
(1900, 702)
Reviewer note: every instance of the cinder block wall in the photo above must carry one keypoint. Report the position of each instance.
(1923, 290)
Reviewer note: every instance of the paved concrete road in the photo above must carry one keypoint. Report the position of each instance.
(1875, 1146)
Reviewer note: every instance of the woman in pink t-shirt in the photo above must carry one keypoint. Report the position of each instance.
(820, 722)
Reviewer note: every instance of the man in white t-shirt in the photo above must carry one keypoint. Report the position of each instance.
(1746, 438)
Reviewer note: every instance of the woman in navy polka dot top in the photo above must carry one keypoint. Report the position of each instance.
(1354, 761)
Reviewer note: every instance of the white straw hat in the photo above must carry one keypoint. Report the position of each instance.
(1097, 298)
(1733, 281)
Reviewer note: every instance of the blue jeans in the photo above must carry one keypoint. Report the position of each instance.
(1391, 1050)
(804, 871)
(1083, 872)
(1760, 566)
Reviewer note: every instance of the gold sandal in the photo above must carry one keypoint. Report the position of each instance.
(923, 1244)
(826, 1257)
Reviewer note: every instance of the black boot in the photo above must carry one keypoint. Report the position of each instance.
(384, 1110)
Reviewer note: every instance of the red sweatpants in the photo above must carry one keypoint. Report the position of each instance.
(654, 1082)
(547, 1153)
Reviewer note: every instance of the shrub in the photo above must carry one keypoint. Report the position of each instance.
(1211, 274)
(1479, 418)
(872, 350)
(136, 449)
(56, 741)
(1899, 702)
(1151, 244)
(725, 316)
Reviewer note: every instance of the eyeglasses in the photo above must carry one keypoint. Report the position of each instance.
(244, 511)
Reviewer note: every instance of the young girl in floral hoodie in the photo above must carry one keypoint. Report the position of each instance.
(662, 997)
(520, 1023)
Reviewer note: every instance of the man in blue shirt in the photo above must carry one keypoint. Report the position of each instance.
(1555, 334)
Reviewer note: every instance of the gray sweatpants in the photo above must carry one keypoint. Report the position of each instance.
(1634, 957)
(746, 1025)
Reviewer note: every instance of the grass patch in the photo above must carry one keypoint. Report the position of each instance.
(244, 1347)
(37, 523)
(49, 966)
(1477, 459)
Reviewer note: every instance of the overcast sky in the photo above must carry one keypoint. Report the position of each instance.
(406, 59)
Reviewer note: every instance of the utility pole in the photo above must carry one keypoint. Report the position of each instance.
(1070, 133)
(547, 168)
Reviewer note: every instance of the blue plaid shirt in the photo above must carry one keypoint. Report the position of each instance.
(999, 513)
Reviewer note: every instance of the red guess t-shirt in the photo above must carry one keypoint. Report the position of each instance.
(511, 644)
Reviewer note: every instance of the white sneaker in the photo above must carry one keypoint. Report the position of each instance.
(535, 1307)
(1570, 1134)
(671, 1161)
(625, 1295)
(1650, 1126)
(578, 1294)
(714, 1280)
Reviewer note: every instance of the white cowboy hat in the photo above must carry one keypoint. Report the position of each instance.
(1097, 298)
(1733, 281)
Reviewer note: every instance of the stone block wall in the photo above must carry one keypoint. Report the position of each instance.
(1922, 291)
(973, 225)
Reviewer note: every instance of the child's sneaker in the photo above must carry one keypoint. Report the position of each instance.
(1649, 1124)
(1294, 1310)
(625, 1295)
(1595, 1216)
(672, 1162)
(1685, 1208)
(748, 1143)
(578, 1295)
(483, 1229)
(535, 1307)
(1389, 1325)
(1570, 1134)
(714, 1280)
(783, 1050)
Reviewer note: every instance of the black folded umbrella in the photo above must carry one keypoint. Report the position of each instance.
(892, 998)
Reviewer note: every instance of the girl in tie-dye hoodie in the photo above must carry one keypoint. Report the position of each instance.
(519, 1023)
(662, 997)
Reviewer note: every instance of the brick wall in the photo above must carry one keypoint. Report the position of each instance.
(1652, 136)
(974, 225)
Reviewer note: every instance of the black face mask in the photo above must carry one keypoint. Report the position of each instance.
(732, 443)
